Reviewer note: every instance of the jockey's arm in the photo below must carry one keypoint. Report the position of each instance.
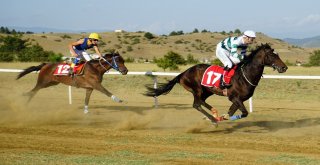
(97, 51)
(71, 45)
(235, 54)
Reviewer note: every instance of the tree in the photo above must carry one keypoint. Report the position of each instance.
(12, 47)
(174, 33)
(314, 59)
(204, 31)
(171, 60)
(13, 43)
(237, 31)
(148, 35)
(195, 30)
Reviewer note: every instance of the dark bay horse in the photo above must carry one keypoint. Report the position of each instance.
(90, 80)
(244, 82)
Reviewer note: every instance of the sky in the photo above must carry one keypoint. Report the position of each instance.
(275, 18)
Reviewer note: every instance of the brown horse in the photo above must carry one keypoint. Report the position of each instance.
(244, 82)
(90, 79)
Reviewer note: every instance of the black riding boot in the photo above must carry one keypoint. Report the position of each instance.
(223, 84)
(71, 72)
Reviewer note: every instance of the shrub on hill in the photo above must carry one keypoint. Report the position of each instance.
(171, 60)
(314, 59)
(14, 48)
(148, 35)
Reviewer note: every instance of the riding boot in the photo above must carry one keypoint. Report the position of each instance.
(71, 72)
(223, 83)
(71, 69)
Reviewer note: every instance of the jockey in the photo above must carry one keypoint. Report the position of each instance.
(78, 49)
(231, 51)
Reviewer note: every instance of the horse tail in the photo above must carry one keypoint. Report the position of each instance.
(30, 69)
(162, 88)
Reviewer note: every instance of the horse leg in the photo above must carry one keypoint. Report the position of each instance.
(100, 88)
(237, 104)
(39, 86)
(233, 108)
(32, 93)
(86, 101)
(214, 111)
(197, 105)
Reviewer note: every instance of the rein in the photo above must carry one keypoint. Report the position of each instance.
(246, 77)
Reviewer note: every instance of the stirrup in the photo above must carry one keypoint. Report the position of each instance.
(224, 84)
(71, 72)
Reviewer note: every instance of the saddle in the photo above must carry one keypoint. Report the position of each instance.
(212, 76)
(62, 69)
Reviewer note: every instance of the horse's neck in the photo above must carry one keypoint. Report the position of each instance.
(253, 71)
(100, 68)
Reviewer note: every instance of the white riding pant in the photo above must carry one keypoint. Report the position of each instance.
(83, 54)
(225, 57)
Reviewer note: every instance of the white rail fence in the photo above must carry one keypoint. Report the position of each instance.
(155, 74)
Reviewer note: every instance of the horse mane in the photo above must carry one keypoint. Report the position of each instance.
(248, 59)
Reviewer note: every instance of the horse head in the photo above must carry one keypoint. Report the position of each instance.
(114, 60)
(271, 58)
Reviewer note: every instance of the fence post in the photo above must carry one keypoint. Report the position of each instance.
(250, 105)
(70, 96)
(155, 86)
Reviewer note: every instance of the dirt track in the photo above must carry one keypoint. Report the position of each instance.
(50, 131)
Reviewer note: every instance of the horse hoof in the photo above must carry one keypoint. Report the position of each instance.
(215, 124)
(85, 111)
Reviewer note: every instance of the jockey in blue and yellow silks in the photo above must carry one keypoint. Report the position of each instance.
(78, 49)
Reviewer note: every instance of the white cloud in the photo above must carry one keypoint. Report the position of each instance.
(309, 20)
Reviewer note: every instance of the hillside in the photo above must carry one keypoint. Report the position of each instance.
(313, 42)
(135, 45)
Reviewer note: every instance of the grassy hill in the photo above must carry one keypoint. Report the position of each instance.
(313, 42)
(135, 45)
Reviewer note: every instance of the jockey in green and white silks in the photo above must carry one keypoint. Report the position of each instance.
(232, 50)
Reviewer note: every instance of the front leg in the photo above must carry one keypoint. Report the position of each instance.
(100, 88)
(237, 104)
(233, 108)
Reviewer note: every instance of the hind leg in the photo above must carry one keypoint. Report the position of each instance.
(39, 86)
(197, 105)
(86, 102)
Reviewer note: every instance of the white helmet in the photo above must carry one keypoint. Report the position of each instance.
(250, 33)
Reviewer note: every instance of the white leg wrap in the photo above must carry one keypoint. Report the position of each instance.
(116, 99)
(86, 110)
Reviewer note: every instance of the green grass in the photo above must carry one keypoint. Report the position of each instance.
(290, 159)
(117, 158)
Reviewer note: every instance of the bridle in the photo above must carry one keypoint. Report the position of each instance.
(113, 63)
(245, 77)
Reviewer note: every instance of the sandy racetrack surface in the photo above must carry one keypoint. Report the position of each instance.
(50, 131)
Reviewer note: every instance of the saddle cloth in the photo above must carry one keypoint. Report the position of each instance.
(212, 76)
(63, 69)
